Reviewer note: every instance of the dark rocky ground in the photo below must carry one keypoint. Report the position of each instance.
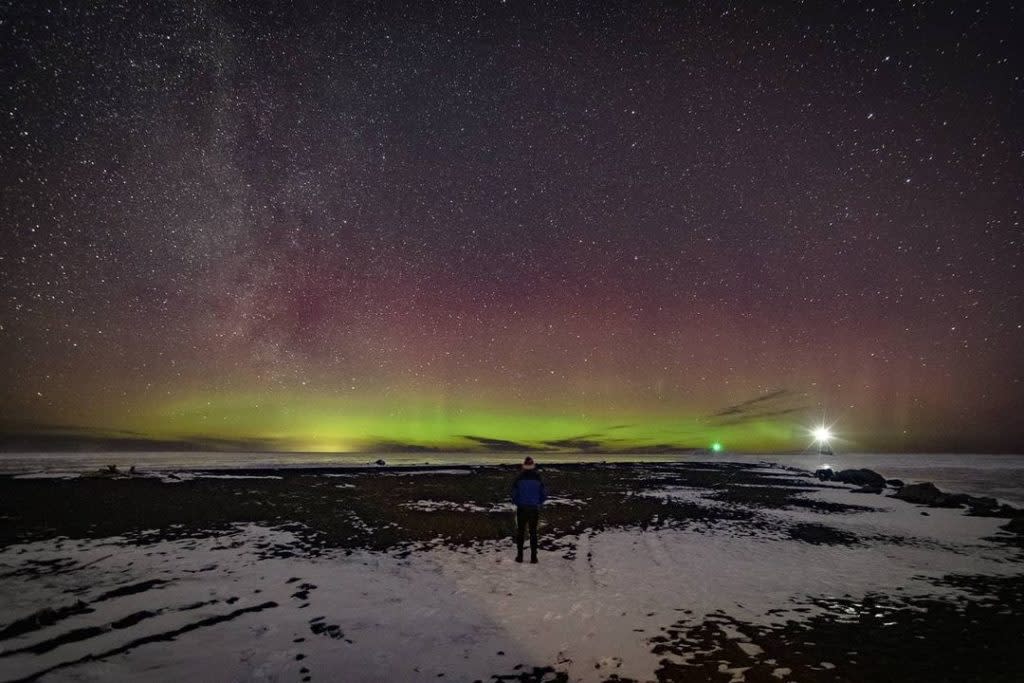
(872, 638)
(372, 513)
(883, 637)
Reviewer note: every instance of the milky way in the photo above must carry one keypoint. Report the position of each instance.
(595, 226)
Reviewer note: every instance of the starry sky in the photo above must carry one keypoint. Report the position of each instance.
(592, 226)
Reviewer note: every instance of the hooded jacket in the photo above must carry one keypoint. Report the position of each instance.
(528, 490)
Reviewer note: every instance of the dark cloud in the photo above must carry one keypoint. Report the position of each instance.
(388, 446)
(774, 404)
(663, 448)
(33, 437)
(576, 444)
(751, 404)
(748, 417)
(500, 444)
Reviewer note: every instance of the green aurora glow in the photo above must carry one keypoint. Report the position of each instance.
(310, 423)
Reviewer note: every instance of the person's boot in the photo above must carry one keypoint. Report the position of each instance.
(519, 556)
(533, 557)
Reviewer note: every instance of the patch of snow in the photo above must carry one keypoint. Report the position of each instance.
(410, 473)
(177, 477)
(46, 475)
(239, 476)
(435, 505)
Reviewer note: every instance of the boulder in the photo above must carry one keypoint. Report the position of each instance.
(929, 494)
(957, 499)
(895, 483)
(862, 477)
(824, 473)
(983, 506)
(1015, 526)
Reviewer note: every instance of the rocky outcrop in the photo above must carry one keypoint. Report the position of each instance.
(825, 474)
(895, 483)
(929, 494)
(1014, 526)
(861, 477)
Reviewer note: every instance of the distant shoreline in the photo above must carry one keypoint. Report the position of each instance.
(998, 476)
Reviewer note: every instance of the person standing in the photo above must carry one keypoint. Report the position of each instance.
(529, 495)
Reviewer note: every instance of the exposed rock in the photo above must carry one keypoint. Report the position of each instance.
(990, 507)
(819, 534)
(825, 474)
(862, 477)
(1014, 526)
(929, 494)
(895, 483)
(983, 502)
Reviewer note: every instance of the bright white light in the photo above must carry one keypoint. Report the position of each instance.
(822, 434)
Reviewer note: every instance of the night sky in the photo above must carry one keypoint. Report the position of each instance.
(510, 225)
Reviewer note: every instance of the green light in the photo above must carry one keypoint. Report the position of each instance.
(289, 420)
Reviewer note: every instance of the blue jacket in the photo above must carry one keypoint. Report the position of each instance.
(528, 490)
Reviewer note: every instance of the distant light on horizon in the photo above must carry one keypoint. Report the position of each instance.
(716, 447)
(822, 434)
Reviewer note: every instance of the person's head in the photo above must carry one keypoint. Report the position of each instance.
(528, 463)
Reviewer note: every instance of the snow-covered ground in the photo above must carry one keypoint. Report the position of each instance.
(231, 607)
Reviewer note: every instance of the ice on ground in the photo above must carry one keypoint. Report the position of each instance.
(46, 475)
(436, 505)
(410, 473)
(238, 476)
(178, 477)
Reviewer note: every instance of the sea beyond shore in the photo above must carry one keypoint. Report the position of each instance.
(723, 570)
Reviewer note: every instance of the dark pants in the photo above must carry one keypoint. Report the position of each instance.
(526, 516)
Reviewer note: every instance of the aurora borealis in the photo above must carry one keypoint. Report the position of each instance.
(510, 225)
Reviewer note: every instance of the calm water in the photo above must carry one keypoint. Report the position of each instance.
(1001, 476)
